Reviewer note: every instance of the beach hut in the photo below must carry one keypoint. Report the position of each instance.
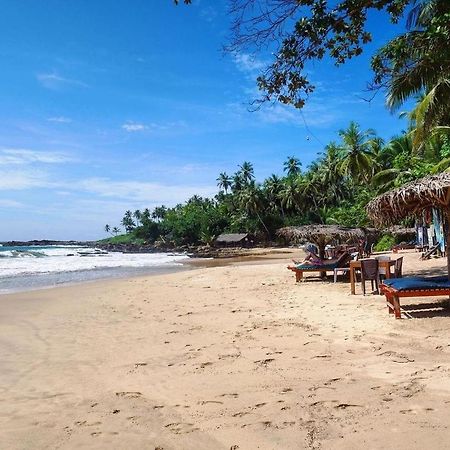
(234, 240)
(411, 199)
(321, 235)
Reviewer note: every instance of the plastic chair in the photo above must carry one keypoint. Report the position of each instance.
(370, 272)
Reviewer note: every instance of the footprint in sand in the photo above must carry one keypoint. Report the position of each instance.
(259, 405)
(264, 362)
(129, 394)
(286, 390)
(240, 414)
(206, 402)
(181, 428)
(396, 357)
(233, 395)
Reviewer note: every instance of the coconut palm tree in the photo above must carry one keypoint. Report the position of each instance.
(292, 166)
(290, 195)
(138, 216)
(107, 228)
(238, 182)
(128, 222)
(247, 172)
(115, 231)
(272, 188)
(357, 159)
(224, 181)
(431, 112)
(159, 212)
(417, 62)
(252, 202)
(396, 162)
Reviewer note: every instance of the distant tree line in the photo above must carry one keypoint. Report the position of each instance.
(333, 189)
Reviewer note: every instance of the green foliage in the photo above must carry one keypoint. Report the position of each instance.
(124, 239)
(333, 190)
(386, 243)
(304, 31)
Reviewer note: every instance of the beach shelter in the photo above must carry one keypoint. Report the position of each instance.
(321, 235)
(412, 199)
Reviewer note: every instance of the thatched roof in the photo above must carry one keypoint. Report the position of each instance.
(231, 238)
(319, 234)
(398, 230)
(410, 199)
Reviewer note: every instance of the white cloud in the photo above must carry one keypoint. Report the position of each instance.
(60, 119)
(23, 179)
(55, 81)
(248, 63)
(144, 191)
(6, 203)
(14, 156)
(132, 127)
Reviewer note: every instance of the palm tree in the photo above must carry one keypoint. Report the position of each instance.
(290, 195)
(128, 222)
(246, 171)
(115, 231)
(292, 166)
(357, 159)
(431, 112)
(272, 188)
(224, 181)
(107, 228)
(238, 182)
(252, 202)
(395, 160)
(145, 216)
(138, 216)
(159, 212)
(417, 62)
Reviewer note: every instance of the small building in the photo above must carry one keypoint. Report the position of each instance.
(234, 240)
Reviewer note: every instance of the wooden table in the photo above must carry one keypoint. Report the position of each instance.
(383, 264)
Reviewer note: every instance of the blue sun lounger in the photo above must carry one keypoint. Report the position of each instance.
(298, 269)
(396, 288)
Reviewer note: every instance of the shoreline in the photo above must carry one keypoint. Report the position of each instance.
(232, 355)
(60, 279)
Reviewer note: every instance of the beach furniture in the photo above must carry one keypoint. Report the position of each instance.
(356, 265)
(327, 266)
(398, 267)
(382, 270)
(370, 272)
(343, 270)
(398, 288)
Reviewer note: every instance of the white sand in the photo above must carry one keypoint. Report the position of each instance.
(222, 358)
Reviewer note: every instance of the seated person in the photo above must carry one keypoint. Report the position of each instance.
(311, 257)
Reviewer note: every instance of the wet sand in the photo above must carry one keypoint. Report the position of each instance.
(229, 357)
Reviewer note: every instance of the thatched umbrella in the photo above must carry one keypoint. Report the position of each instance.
(321, 235)
(411, 199)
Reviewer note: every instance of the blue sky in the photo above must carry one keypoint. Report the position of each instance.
(108, 106)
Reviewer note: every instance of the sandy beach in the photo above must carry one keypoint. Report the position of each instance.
(228, 357)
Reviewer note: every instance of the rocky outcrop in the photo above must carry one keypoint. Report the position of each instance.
(46, 242)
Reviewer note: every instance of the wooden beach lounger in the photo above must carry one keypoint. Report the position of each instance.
(298, 269)
(396, 288)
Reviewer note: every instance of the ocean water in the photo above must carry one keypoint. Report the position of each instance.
(34, 267)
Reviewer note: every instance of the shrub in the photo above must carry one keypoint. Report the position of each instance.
(386, 242)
